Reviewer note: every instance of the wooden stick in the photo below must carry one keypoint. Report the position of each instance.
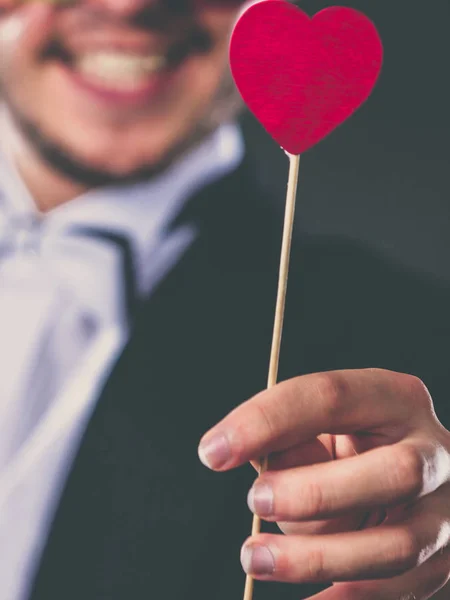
(294, 165)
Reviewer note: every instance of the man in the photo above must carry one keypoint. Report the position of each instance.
(136, 303)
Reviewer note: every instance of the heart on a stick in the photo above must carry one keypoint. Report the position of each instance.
(300, 76)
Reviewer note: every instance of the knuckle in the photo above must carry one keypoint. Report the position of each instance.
(313, 501)
(332, 390)
(417, 391)
(264, 417)
(315, 567)
(408, 471)
(419, 387)
(406, 551)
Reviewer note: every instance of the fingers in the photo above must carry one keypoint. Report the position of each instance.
(317, 451)
(312, 452)
(384, 476)
(303, 408)
(421, 583)
(381, 552)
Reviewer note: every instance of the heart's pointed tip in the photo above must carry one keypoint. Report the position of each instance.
(301, 77)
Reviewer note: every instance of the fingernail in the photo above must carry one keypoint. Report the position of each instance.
(257, 560)
(215, 451)
(260, 499)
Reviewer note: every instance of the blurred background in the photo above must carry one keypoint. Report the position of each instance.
(383, 178)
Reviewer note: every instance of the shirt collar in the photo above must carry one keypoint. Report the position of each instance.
(140, 211)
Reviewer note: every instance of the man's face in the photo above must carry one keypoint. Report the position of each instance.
(117, 85)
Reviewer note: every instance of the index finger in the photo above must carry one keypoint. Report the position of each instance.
(298, 410)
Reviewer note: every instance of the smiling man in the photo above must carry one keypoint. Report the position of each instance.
(136, 301)
(144, 77)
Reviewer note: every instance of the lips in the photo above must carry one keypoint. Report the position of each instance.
(122, 59)
(117, 70)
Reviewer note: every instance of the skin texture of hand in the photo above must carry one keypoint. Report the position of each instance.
(358, 480)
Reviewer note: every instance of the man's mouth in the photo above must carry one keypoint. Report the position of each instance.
(119, 70)
(123, 68)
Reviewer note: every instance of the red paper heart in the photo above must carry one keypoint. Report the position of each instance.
(303, 77)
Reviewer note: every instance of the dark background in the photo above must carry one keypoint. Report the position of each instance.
(381, 178)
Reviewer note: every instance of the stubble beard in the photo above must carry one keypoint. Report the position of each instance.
(224, 107)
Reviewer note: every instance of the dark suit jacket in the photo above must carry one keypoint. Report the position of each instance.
(140, 517)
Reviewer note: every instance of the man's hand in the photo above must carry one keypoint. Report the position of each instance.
(358, 479)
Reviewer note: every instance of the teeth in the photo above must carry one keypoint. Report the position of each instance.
(119, 68)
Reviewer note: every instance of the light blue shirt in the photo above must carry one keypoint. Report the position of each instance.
(47, 280)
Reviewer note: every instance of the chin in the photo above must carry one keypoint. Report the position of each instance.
(121, 147)
(92, 151)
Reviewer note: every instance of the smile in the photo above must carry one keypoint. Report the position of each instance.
(119, 70)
